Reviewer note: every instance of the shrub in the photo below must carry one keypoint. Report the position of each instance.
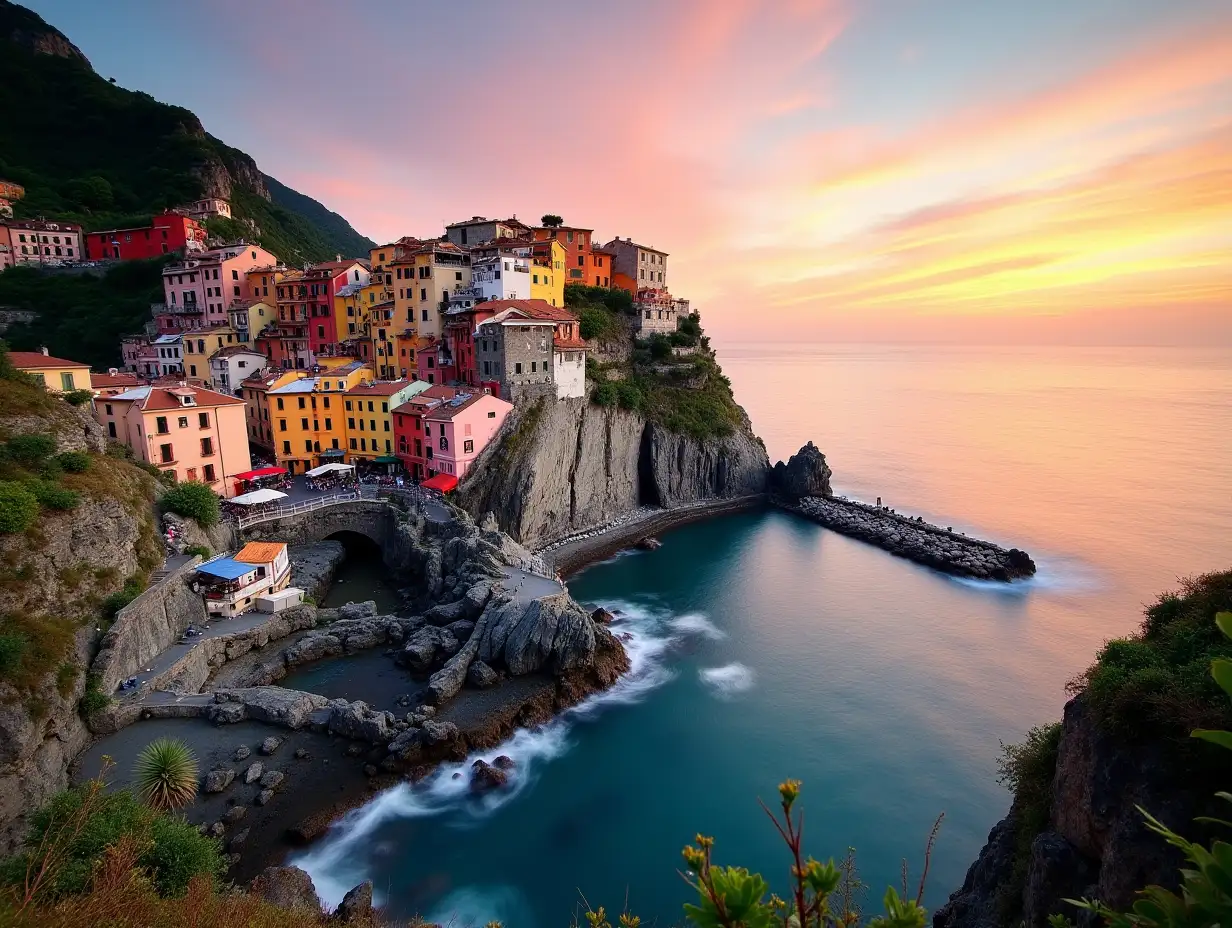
(629, 395)
(78, 397)
(597, 322)
(30, 450)
(193, 500)
(51, 496)
(73, 831)
(75, 462)
(93, 699)
(166, 774)
(12, 647)
(66, 678)
(660, 347)
(123, 452)
(117, 601)
(604, 394)
(200, 551)
(18, 507)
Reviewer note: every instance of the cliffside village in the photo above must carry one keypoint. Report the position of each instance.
(403, 363)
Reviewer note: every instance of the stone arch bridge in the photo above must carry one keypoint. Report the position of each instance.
(372, 518)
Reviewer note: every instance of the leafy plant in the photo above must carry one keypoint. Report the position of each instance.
(551, 220)
(18, 507)
(12, 647)
(93, 699)
(77, 397)
(74, 462)
(200, 551)
(51, 496)
(166, 774)
(30, 450)
(193, 499)
(1205, 898)
(118, 600)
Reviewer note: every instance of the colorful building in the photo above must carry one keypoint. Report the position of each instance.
(369, 423)
(191, 432)
(113, 382)
(6, 248)
(308, 416)
(167, 233)
(169, 354)
(460, 337)
(576, 243)
(56, 374)
(198, 290)
(35, 241)
(208, 208)
(434, 361)
(229, 367)
(249, 318)
(425, 274)
(233, 585)
(637, 267)
(477, 229)
(531, 349)
(600, 271)
(254, 390)
(199, 345)
(443, 430)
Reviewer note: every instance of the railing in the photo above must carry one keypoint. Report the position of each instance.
(413, 494)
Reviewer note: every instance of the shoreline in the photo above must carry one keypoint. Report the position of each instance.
(601, 542)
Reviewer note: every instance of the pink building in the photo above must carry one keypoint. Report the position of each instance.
(198, 291)
(196, 434)
(458, 429)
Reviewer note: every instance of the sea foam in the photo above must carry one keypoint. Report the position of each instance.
(728, 680)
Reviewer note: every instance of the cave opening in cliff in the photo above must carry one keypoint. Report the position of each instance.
(647, 488)
(362, 574)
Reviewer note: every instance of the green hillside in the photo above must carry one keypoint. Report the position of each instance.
(91, 152)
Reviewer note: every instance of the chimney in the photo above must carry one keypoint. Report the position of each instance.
(44, 350)
(337, 257)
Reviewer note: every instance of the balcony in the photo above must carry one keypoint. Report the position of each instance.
(181, 309)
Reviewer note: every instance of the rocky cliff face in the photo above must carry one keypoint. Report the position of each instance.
(1095, 844)
(570, 465)
(806, 473)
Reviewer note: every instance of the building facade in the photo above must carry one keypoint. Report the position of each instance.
(576, 244)
(477, 230)
(167, 233)
(424, 276)
(636, 267)
(191, 432)
(56, 374)
(369, 419)
(529, 348)
(308, 417)
(231, 366)
(34, 241)
(201, 288)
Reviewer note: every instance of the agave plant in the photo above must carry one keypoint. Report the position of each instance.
(166, 774)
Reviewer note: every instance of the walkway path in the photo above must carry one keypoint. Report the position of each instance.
(529, 586)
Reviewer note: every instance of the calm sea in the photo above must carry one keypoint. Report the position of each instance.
(766, 647)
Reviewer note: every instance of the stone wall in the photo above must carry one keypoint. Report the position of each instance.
(375, 519)
(147, 626)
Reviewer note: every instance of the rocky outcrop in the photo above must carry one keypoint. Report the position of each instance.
(1096, 844)
(564, 466)
(287, 888)
(273, 705)
(917, 540)
(552, 634)
(806, 473)
(313, 566)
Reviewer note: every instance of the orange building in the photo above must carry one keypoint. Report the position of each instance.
(577, 244)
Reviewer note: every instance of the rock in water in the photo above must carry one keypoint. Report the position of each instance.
(270, 745)
(485, 777)
(287, 888)
(504, 762)
(602, 616)
(271, 779)
(650, 544)
(806, 473)
(356, 905)
(234, 814)
(242, 752)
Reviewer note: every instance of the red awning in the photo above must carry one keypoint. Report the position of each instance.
(263, 472)
(442, 482)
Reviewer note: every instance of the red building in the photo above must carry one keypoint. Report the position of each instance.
(166, 234)
(434, 363)
(413, 451)
(460, 336)
(322, 283)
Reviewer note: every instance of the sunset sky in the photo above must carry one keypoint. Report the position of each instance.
(1059, 170)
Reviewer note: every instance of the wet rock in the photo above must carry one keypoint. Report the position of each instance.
(242, 752)
(357, 721)
(234, 814)
(218, 780)
(364, 610)
(313, 648)
(356, 905)
(461, 629)
(419, 652)
(227, 713)
(301, 753)
(216, 830)
(270, 745)
(485, 777)
(264, 797)
(254, 772)
(806, 473)
(237, 840)
(287, 888)
(435, 732)
(481, 676)
(552, 633)
(602, 616)
(445, 614)
(650, 544)
(504, 762)
(271, 779)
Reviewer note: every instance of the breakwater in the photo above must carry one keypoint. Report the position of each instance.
(916, 540)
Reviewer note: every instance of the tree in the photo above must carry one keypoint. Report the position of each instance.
(166, 774)
(551, 220)
(193, 499)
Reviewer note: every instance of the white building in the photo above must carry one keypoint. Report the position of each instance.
(232, 585)
(170, 350)
(229, 366)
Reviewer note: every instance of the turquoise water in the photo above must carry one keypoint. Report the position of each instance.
(767, 647)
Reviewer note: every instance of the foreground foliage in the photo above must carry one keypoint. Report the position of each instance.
(166, 774)
(194, 500)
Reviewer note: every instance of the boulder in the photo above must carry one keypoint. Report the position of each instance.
(217, 780)
(485, 777)
(274, 705)
(234, 814)
(216, 830)
(264, 797)
(447, 613)
(650, 544)
(227, 713)
(476, 598)
(419, 652)
(357, 721)
(313, 648)
(504, 762)
(364, 610)
(242, 752)
(552, 633)
(481, 676)
(270, 745)
(287, 888)
(602, 616)
(435, 732)
(461, 629)
(237, 840)
(271, 779)
(255, 771)
(806, 473)
(356, 905)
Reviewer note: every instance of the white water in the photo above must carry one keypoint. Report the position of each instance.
(336, 864)
(728, 680)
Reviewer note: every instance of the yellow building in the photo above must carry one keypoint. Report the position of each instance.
(308, 416)
(370, 434)
(57, 374)
(249, 318)
(547, 272)
(255, 390)
(263, 283)
(199, 346)
(424, 274)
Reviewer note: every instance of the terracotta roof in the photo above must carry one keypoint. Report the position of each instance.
(168, 397)
(534, 309)
(379, 388)
(234, 350)
(260, 552)
(36, 360)
(106, 381)
(339, 265)
(576, 345)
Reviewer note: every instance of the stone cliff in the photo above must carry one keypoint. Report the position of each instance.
(560, 467)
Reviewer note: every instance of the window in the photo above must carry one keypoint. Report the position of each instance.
(111, 430)
(66, 380)
(517, 367)
(457, 275)
(308, 446)
(534, 365)
(286, 446)
(303, 424)
(191, 474)
(468, 446)
(160, 425)
(491, 415)
(207, 447)
(182, 422)
(209, 473)
(423, 294)
(371, 425)
(301, 403)
(354, 444)
(282, 425)
(280, 402)
(107, 406)
(425, 315)
(387, 425)
(165, 454)
(192, 370)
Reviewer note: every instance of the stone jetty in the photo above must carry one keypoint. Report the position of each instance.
(915, 539)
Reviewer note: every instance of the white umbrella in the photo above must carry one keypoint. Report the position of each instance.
(328, 469)
(258, 496)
